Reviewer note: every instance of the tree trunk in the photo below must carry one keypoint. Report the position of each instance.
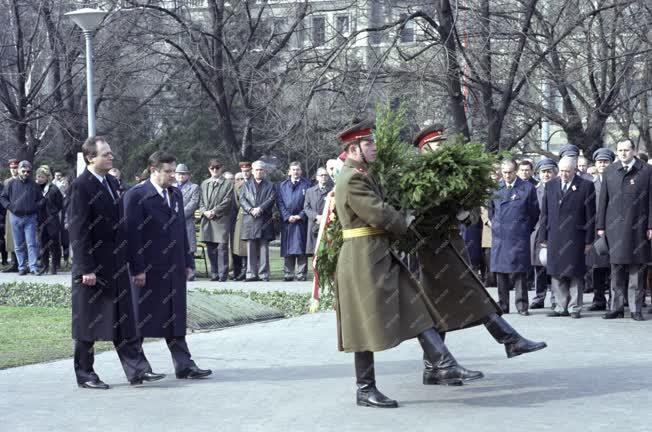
(454, 74)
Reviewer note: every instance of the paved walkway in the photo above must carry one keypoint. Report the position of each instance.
(287, 375)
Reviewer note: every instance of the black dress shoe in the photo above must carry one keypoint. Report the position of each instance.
(94, 385)
(288, 279)
(215, 279)
(42, 271)
(252, 279)
(558, 314)
(597, 307)
(194, 373)
(575, 315)
(370, 396)
(537, 305)
(301, 279)
(12, 269)
(614, 315)
(524, 313)
(241, 277)
(22, 272)
(146, 377)
(223, 279)
(638, 316)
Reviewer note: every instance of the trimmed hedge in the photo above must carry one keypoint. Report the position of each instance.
(44, 295)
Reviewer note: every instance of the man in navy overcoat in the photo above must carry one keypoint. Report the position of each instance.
(160, 260)
(514, 212)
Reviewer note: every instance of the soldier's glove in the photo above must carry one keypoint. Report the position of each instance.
(409, 217)
(463, 216)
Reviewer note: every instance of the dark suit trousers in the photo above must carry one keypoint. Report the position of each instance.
(600, 285)
(626, 282)
(181, 358)
(130, 353)
(239, 265)
(218, 255)
(301, 262)
(507, 281)
(540, 284)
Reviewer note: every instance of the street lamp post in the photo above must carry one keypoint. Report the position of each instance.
(89, 20)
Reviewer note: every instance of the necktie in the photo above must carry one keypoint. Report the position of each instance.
(165, 197)
(106, 185)
(564, 188)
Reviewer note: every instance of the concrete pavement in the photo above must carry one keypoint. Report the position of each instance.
(288, 376)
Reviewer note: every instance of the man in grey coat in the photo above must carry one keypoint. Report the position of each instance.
(313, 206)
(547, 170)
(190, 192)
(625, 219)
(216, 199)
(599, 264)
(257, 199)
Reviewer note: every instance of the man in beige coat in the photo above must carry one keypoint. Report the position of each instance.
(379, 303)
(9, 235)
(216, 199)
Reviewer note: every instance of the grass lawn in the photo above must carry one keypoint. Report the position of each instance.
(35, 334)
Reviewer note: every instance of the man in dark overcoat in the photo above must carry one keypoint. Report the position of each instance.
(102, 307)
(599, 264)
(567, 228)
(514, 212)
(314, 207)
(290, 197)
(257, 198)
(624, 218)
(160, 260)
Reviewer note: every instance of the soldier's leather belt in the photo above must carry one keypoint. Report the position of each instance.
(362, 232)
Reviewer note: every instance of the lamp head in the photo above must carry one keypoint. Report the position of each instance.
(87, 19)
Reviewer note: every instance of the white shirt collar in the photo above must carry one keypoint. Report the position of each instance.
(97, 176)
(569, 181)
(630, 164)
(158, 188)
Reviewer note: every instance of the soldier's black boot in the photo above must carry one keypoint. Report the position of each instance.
(368, 394)
(447, 371)
(505, 334)
(430, 376)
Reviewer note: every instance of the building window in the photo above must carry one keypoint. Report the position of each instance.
(299, 36)
(342, 27)
(318, 31)
(407, 32)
